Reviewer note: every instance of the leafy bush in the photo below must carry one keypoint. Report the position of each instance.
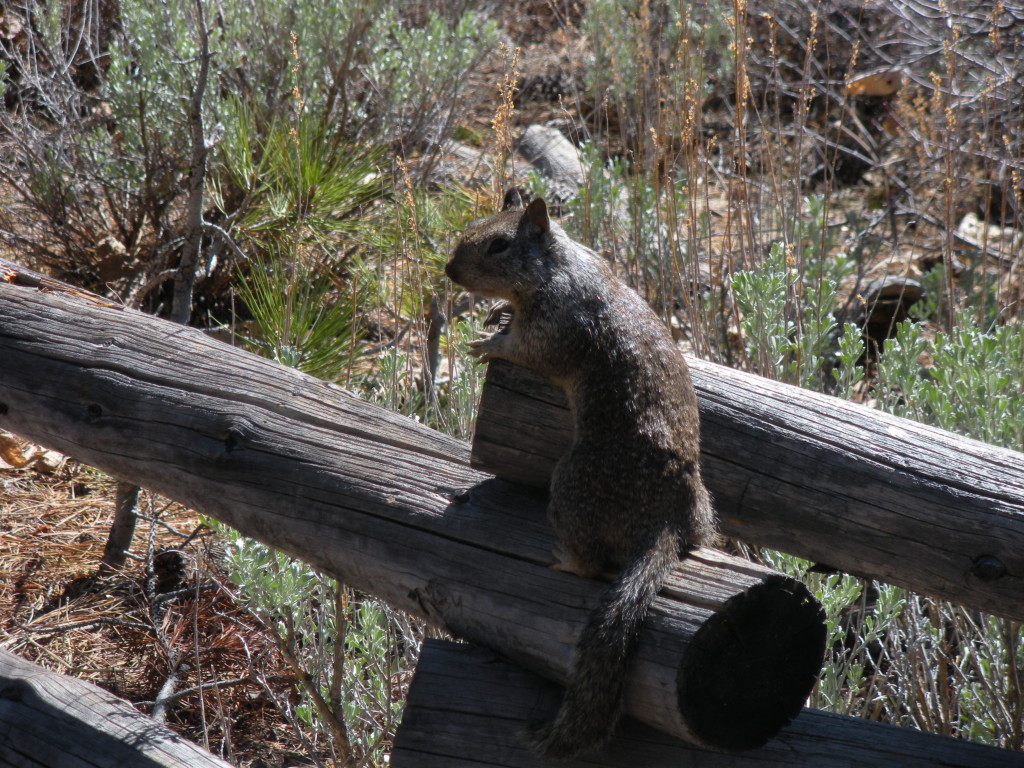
(301, 191)
(901, 658)
(421, 73)
(107, 166)
(887, 644)
(788, 318)
(971, 381)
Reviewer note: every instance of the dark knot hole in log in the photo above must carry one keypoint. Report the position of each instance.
(752, 664)
(988, 568)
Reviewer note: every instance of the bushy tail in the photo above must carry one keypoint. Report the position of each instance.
(593, 697)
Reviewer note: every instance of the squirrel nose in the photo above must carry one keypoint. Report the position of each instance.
(452, 271)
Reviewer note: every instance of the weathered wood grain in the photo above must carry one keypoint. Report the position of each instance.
(363, 494)
(48, 719)
(832, 481)
(467, 708)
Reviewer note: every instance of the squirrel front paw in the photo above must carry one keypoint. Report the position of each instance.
(488, 348)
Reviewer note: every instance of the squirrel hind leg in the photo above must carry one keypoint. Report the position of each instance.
(568, 563)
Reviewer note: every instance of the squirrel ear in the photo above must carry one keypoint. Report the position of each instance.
(515, 197)
(537, 210)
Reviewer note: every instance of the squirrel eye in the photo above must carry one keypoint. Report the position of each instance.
(497, 245)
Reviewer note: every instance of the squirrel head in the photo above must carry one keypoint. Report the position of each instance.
(505, 255)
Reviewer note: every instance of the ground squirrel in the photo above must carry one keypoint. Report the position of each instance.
(628, 494)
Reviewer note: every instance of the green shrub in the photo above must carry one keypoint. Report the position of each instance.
(788, 323)
(886, 644)
(432, 379)
(302, 190)
(421, 72)
(967, 381)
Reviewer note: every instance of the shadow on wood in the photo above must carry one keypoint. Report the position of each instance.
(467, 708)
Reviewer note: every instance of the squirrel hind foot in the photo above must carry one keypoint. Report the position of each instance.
(566, 563)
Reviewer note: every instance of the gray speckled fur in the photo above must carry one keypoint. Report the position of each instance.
(628, 494)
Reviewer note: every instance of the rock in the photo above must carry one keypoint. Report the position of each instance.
(883, 303)
(1007, 242)
(551, 153)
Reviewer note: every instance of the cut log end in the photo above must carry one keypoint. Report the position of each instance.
(752, 665)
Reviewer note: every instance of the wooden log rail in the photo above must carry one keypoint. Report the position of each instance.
(381, 503)
(831, 481)
(48, 719)
(467, 708)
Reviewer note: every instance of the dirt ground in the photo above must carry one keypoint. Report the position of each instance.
(118, 630)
